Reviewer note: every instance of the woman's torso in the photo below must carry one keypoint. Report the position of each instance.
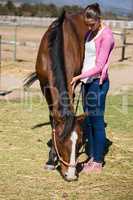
(90, 55)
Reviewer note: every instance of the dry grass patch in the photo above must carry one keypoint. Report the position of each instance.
(23, 152)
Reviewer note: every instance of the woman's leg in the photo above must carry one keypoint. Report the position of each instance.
(89, 147)
(87, 125)
(96, 106)
(97, 121)
(99, 137)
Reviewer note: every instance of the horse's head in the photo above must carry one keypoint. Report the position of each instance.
(67, 148)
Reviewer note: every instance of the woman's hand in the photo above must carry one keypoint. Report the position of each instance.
(75, 79)
(73, 82)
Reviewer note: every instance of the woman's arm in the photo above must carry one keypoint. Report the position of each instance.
(106, 47)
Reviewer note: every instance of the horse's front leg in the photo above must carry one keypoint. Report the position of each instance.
(53, 159)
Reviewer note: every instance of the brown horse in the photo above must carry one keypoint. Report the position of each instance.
(60, 58)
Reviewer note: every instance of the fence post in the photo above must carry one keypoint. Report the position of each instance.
(123, 45)
(0, 58)
(15, 43)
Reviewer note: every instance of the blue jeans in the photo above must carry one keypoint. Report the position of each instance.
(94, 97)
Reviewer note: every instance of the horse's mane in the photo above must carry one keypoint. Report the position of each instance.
(56, 50)
(55, 42)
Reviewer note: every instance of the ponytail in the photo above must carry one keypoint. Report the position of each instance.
(93, 11)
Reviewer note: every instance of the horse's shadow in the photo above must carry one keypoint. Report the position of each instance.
(40, 125)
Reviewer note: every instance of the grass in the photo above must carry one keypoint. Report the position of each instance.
(23, 152)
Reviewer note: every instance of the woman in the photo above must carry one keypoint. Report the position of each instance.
(99, 44)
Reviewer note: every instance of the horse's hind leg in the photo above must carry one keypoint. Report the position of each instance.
(53, 159)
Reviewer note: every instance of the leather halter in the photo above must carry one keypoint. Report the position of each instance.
(54, 137)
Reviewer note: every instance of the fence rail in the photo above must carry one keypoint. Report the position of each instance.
(26, 21)
(21, 20)
(46, 21)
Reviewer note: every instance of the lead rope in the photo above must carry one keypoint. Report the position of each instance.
(83, 147)
(60, 158)
(54, 133)
(76, 109)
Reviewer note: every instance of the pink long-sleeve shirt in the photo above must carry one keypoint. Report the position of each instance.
(104, 44)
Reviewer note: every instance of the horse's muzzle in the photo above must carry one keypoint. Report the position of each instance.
(70, 178)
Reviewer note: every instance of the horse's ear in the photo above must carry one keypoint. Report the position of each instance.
(57, 120)
(81, 118)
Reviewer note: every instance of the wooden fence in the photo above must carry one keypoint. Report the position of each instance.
(46, 21)
(123, 34)
(0, 61)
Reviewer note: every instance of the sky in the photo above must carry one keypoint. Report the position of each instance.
(125, 4)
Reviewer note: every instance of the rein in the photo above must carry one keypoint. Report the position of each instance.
(55, 143)
(77, 104)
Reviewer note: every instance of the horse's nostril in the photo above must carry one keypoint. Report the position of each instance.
(73, 178)
(65, 175)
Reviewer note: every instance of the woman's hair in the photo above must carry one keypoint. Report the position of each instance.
(93, 11)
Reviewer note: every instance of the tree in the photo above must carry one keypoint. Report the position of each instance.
(26, 9)
(3, 10)
(10, 6)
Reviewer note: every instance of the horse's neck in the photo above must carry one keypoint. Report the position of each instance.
(80, 26)
(74, 36)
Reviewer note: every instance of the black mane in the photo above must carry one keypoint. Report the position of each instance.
(56, 49)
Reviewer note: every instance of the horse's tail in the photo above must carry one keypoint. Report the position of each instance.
(4, 93)
(27, 83)
(30, 80)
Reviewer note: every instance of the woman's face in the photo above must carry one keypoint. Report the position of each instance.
(93, 25)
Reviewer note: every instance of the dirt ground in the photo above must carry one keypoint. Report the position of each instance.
(28, 40)
(23, 149)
